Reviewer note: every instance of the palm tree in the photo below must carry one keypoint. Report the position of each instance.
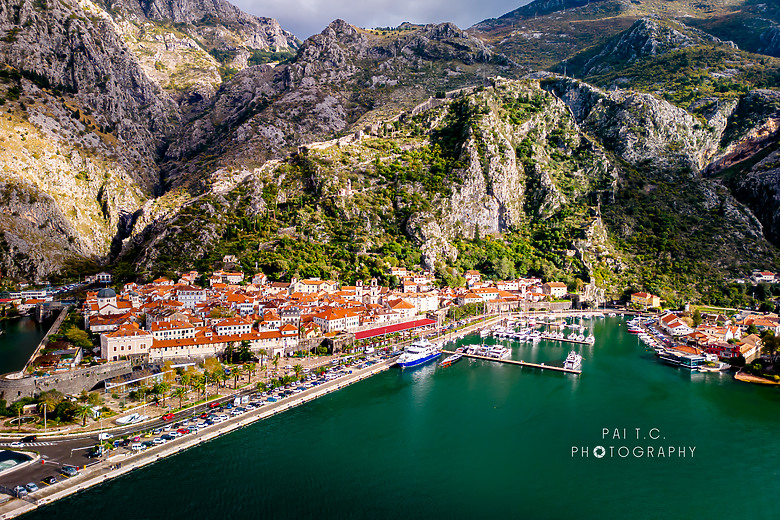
(84, 411)
(276, 362)
(219, 377)
(200, 385)
(156, 391)
(181, 393)
(186, 379)
(298, 370)
(250, 369)
(159, 390)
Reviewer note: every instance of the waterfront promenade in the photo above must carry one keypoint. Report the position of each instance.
(125, 462)
(122, 463)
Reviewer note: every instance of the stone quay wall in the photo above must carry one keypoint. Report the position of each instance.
(71, 382)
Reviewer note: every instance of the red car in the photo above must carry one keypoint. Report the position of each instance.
(183, 431)
(204, 415)
(214, 404)
(167, 417)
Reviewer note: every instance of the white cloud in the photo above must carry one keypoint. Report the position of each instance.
(306, 17)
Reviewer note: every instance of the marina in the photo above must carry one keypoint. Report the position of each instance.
(520, 363)
(520, 419)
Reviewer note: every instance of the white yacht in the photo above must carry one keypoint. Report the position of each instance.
(418, 353)
(573, 361)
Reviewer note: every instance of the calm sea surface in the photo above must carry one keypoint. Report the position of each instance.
(18, 342)
(482, 440)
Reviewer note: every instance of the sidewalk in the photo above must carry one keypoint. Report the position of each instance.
(122, 463)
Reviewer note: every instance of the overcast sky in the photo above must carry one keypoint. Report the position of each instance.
(306, 17)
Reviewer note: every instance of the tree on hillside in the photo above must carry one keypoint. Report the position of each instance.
(697, 319)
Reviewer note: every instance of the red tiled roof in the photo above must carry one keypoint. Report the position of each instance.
(390, 329)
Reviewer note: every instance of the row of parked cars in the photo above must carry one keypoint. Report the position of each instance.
(169, 432)
(32, 487)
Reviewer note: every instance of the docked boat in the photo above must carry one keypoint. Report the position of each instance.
(450, 360)
(499, 352)
(418, 353)
(573, 361)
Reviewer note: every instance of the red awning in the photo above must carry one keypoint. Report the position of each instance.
(390, 329)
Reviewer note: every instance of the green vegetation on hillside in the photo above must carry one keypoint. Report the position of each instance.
(685, 75)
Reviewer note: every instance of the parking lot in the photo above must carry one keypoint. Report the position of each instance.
(76, 452)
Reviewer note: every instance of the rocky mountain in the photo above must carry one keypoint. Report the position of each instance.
(342, 79)
(82, 131)
(554, 177)
(190, 47)
(164, 135)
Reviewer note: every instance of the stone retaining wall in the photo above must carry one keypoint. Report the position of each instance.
(71, 382)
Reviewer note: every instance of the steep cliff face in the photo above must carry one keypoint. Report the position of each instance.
(190, 47)
(643, 130)
(759, 188)
(81, 134)
(491, 163)
(215, 21)
(339, 78)
(159, 127)
(646, 37)
(74, 49)
(95, 94)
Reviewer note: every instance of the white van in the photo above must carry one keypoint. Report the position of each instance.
(104, 436)
(137, 446)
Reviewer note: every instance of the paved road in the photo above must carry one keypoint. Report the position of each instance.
(73, 451)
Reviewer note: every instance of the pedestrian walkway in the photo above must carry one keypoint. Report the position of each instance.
(25, 444)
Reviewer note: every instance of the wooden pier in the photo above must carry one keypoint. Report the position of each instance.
(518, 363)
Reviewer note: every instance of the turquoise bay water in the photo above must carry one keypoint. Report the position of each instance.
(17, 343)
(478, 440)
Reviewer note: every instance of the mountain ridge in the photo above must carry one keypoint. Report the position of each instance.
(211, 146)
